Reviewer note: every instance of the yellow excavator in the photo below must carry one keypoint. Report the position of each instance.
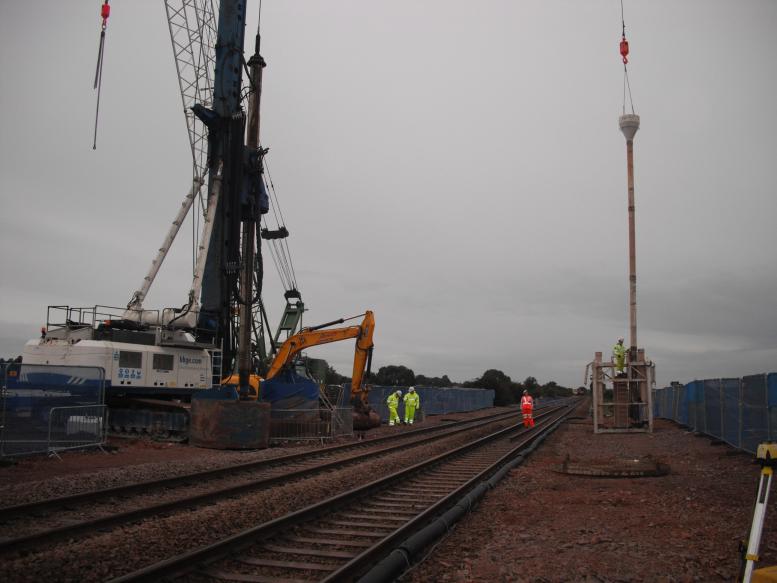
(363, 415)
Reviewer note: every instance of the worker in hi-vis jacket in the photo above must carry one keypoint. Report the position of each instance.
(412, 402)
(527, 409)
(393, 403)
(619, 356)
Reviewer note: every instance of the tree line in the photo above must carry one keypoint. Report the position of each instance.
(506, 391)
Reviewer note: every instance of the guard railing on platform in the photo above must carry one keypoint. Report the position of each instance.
(310, 424)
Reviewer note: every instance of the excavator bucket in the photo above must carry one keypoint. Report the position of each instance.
(364, 416)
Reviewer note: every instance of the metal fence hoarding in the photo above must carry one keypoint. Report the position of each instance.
(434, 400)
(740, 411)
(32, 393)
(310, 424)
(77, 427)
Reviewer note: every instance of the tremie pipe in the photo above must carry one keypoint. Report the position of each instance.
(402, 557)
(629, 124)
(244, 359)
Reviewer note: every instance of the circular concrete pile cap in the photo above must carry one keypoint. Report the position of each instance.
(620, 468)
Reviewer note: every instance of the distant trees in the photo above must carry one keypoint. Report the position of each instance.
(506, 391)
(332, 377)
(394, 376)
(425, 381)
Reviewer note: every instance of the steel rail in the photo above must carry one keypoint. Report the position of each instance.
(360, 563)
(8, 512)
(115, 519)
(202, 557)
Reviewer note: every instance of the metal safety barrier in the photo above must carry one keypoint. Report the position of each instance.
(739, 411)
(434, 400)
(77, 427)
(32, 393)
(310, 424)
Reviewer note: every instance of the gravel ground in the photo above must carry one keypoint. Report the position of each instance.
(540, 525)
(123, 550)
(134, 460)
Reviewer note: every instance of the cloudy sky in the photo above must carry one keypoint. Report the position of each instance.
(454, 166)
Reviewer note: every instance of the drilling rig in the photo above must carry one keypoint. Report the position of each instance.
(155, 361)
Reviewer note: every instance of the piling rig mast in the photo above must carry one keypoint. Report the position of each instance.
(224, 306)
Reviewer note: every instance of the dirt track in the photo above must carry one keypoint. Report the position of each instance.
(541, 525)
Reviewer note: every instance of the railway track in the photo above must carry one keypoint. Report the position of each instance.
(37, 524)
(339, 539)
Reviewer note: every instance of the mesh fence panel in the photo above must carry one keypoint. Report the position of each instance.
(731, 416)
(741, 412)
(682, 405)
(434, 400)
(701, 407)
(77, 427)
(713, 407)
(755, 413)
(31, 392)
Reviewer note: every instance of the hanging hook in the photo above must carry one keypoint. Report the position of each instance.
(625, 49)
(105, 12)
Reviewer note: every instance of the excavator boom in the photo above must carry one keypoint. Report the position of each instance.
(362, 358)
(364, 417)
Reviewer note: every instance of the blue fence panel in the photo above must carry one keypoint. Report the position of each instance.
(731, 417)
(755, 417)
(771, 391)
(681, 412)
(741, 412)
(671, 403)
(661, 400)
(695, 399)
(663, 410)
(771, 386)
(713, 407)
(32, 391)
(434, 400)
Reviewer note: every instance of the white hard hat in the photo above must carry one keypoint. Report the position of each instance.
(620, 339)
(399, 392)
(411, 389)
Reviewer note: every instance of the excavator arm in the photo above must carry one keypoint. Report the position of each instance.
(315, 336)
(364, 416)
(362, 358)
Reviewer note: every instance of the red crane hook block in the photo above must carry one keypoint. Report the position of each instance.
(105, 12)
(624, 50)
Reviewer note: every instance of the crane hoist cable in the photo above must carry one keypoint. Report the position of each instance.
(624, 51)
(105, 12)
(279, 247)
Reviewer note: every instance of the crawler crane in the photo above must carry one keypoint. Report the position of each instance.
(155, 360)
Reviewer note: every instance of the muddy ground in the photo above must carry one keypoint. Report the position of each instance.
(538, 525)
(541, 525)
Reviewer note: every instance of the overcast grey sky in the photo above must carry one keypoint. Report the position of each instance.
(454, 166)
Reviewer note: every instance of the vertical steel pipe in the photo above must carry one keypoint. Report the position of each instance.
(629, 125)
(245, 364)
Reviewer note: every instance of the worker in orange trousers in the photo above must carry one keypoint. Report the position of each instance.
(527, 408)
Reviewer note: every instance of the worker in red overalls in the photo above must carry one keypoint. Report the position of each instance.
(527, 406)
